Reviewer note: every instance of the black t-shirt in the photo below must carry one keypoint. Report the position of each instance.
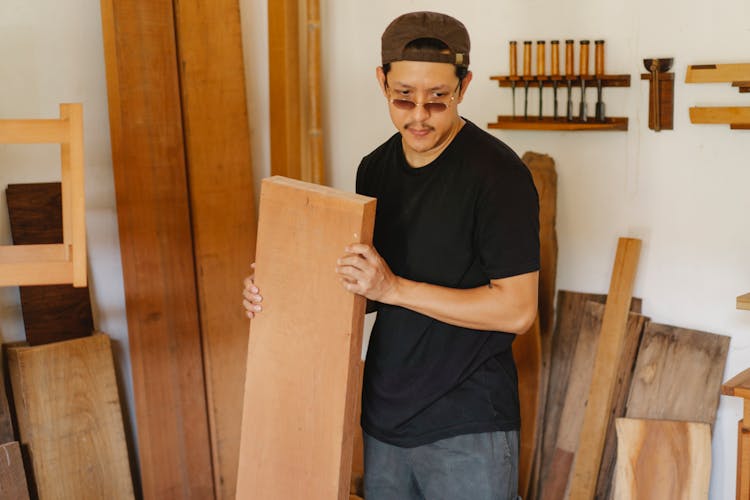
(470, 216)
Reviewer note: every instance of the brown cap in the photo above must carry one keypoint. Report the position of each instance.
(415, 25)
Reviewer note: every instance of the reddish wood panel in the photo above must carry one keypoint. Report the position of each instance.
(56, 312)
(222, 209)
(157, 249)
(302, 380)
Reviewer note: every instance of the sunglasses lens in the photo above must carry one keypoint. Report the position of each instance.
(435, 107)
(403, 104)
(430, 107)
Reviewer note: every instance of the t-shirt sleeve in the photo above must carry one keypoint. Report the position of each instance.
(507, 234)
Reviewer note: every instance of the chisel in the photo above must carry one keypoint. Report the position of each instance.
(540, 48)
(555, 70)
(513, 73)
(599, 71)
(569, 75)
(526, 77)
(583, 66)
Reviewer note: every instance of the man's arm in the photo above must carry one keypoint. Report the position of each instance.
(507, 304)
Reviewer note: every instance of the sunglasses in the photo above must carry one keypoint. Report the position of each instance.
(429, 106)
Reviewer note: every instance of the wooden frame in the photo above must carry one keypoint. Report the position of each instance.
(63, 263)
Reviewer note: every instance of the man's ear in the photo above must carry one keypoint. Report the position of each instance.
(464, 85)
(380, 75)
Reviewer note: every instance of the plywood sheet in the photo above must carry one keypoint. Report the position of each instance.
(56, 312)
(659, 459)
(304, 349)
(13, 484)
(69, 416)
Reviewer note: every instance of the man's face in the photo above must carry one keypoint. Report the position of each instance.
(425, 130)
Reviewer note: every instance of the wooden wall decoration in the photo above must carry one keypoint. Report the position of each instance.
(302, 380)
(69, 416)
(52, 264)
(295, 89)
(148, 156)
(53, 312)
(222, 210)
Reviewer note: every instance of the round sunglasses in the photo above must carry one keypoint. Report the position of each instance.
(429, 106)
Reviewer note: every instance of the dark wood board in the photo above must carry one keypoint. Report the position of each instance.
(13, 484)
(56, 312)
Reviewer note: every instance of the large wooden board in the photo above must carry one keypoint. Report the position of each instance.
(222, 210)
(55, 312)
(304, 350)
(678, 374)
(13, 484)
(69, 416)
(156, 245)
(659, 459)
(608, 352)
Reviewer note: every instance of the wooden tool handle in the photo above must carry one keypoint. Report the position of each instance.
(569, 69)
(540, 49)
(599, 57)
(513, 59)
(527, 58)
(583, 63)
(555, 62)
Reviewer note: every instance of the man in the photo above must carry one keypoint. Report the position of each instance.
(453, 276)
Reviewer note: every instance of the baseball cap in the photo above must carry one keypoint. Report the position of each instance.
(415, 25)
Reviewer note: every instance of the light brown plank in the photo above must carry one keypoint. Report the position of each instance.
(13, 484)
(304, 350)
(717, 73)
(156, 247)
(659, 459)
(743, 302)
(69, 416)
(527, 354)
(222, 208)
(609, 349)
(733, 115)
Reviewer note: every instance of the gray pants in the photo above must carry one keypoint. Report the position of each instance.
(480, 466)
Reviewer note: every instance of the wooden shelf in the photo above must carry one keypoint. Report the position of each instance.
(550, 123)
(743, 302)
(549, 80)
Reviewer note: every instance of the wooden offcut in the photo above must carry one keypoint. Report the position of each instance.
(156, 245)
(222, 210)
(54, 312)
(743, 302)
(304, 349)
(63, 263)
(716, 73)
(609, 349)
(13, 485)
(660, 459)
(69, 417)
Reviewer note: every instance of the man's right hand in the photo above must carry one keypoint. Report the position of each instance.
(251, 296)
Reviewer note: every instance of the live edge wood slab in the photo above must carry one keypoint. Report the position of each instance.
(302, 382)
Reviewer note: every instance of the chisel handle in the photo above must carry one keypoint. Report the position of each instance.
(554, 69)
(570, 71)
(540, 58)
(527, 58)
(583, 63)
(513, 59)
(599, 58)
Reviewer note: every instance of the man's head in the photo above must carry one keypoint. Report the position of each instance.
(424, 76)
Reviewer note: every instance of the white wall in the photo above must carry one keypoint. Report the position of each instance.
(683, 192)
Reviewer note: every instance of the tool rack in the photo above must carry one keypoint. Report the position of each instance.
(737, 117)
(561, 122)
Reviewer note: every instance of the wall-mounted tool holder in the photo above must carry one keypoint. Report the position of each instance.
(660, 93)
(737, 117)
(564, 117)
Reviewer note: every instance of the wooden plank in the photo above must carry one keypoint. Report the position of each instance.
(542, 169)
(357, 487)
(157, 249)
(69, 416)
(50, 313)
(6, 420)
(527, 354)
(304, 350)
(678, 374)
(658, 459)
(731, 115)
(739, 385)
(717, 73)
(12, 474)
(73, 196)
(570, 307)
(609, 349)
(743, 461)
(35, 273)
(39, 131)
(222, 209)
(743, 302)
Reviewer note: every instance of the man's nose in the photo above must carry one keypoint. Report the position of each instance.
(420, 112)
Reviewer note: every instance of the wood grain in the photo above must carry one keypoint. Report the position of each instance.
(222, 210)
(527, 354)
(659, 459)
(743, 302)
(156, 243)
(609, 350)
(304, 351)
(56, 312)
(69, 415)
(717, 73)
(13, 484)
